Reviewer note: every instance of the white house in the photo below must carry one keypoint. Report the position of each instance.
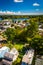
(3, 50)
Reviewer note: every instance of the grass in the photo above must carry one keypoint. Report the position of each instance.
(17, 62)
(18, 46)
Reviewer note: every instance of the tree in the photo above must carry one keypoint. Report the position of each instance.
(32, 29)
(29, 32)
(10, 45)
(17, 62)
(10, 33)
(37, 43)
(12, 25)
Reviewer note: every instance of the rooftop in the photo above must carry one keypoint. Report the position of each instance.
(3, 50)
(28, 57)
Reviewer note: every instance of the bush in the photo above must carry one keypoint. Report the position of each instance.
(17, 62)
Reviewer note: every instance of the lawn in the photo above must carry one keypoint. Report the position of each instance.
(18, 46)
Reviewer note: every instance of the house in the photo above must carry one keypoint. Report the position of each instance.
(9, 57)
(3, 50)
(1, 25)
(6, 24)
(41, 27)
(28, 57)
(2, 29)
(15, 53)
(39, 60)
(2, 39)
(18, 20)
(5, 62)
(40, 31)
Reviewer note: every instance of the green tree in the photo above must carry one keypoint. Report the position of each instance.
(17, 62)
(37, 43)
(10, 45)
(10, 34)
(32, 29)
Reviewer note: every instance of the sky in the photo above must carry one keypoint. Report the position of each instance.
(21, 6)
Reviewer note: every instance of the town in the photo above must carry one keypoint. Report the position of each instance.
(21, 40)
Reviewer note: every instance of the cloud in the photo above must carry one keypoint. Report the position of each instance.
(36, 4)
(35, 13)
(18, 0)
(19, 13)
(37, 9)
(6, 12)
(10, 13)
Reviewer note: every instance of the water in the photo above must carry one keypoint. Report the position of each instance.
(21, 19)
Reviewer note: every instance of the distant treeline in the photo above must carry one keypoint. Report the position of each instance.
(20, 16)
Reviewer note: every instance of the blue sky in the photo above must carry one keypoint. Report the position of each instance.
(21, 6)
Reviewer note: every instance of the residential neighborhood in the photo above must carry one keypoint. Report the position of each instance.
(21, 32)
(15, 45)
